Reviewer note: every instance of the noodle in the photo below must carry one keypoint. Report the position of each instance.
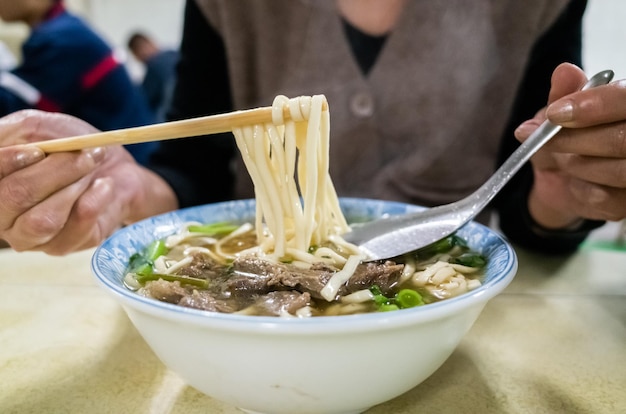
(297, 206)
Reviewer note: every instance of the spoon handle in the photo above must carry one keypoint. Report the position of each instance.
(481, 197)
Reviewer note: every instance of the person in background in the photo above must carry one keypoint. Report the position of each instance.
(426, 99)
(160, 71)
(66, 67)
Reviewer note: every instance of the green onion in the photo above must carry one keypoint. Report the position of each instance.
(388, 307)
(441, 246)
(214, 229)
(155, 249)
(144, 261)
(470, 260)
(408, 298)
(379, 298)
(383, 303)
(136, 261)
(145, 268)
(375, 290)
(404, 299)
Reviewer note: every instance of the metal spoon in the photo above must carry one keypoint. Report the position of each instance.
(395, 235)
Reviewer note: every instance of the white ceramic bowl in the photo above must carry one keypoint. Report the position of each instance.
(331, 365)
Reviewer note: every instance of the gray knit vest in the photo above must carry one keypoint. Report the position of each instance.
(424, 126)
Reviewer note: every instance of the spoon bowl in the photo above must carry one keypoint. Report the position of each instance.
(395, 235)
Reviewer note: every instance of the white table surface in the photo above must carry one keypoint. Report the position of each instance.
(553, 342)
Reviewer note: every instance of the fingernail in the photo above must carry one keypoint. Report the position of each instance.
(560, 112)
(96, 154)
(28, 156)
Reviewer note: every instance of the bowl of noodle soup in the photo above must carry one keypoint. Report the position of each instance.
(353, 340)
(328, 364)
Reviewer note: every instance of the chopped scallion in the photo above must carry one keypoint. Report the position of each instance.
(214, 229)
(388, 307)
(470, 260)
(441, 246)
(155, 249)
(408, 298)
(144, 261)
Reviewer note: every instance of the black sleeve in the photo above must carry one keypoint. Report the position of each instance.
(198, 169)
(561, 43)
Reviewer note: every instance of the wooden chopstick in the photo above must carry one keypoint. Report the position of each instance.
(206, 125)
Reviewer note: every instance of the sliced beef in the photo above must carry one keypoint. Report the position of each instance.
(267, 286)
(275, 303)
(205, 300)
(173, 292)
(384, 275)
(202, 266)
(255, 266)
(257, 275)
(248, 283)
(170, 292)
(252, 275)
(310, 280)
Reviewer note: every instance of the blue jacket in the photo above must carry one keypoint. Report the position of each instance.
(68, 68)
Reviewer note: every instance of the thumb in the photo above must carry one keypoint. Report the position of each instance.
(566, 79)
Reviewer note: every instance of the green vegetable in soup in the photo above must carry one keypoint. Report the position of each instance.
(379, 298)
(214, 229)
(408, 298)
(470, 260)
(441, 246)
(143, 261)
(404, 299)
(463, 256)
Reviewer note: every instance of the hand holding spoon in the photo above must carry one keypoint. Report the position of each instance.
(395, 235)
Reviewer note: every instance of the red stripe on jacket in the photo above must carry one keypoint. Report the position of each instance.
(47, 105)
(89, 80)
(95, 75)
(56, 9)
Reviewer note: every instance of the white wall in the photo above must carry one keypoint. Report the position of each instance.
(118, 18)
(605, 37)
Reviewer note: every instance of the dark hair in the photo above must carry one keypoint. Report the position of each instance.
(135, 39)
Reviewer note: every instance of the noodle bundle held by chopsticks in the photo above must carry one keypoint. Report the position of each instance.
(288, 162)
